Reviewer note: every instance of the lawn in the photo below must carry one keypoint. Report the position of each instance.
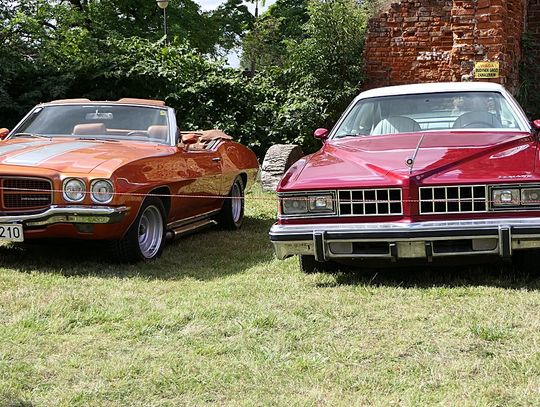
(218, 320)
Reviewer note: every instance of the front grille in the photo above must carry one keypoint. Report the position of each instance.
(370, 202)
(453, 199)
(25, 193)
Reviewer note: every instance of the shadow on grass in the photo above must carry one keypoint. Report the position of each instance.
(497, 274)
(204, 256)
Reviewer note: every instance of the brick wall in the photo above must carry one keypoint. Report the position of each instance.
(440, 40)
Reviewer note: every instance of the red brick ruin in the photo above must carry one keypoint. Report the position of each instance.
(440, 40)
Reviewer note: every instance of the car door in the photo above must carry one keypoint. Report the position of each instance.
(198, 185)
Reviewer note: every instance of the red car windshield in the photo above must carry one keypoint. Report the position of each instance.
(450, 111)
(111, 122)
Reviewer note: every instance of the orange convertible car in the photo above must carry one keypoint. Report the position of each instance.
(118, 171)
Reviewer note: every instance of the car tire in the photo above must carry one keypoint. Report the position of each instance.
(309, 265)
(145, 239)
(231, 216)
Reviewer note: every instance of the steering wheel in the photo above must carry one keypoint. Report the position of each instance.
(137, 133)
(478, 125)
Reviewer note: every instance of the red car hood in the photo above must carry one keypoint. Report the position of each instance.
(442, 157)
(74, 156)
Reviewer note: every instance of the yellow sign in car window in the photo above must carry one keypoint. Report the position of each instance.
(486, 70)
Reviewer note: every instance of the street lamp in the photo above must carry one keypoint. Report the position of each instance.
(162, 4)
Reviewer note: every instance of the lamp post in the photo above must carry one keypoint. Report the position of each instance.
(162, 4)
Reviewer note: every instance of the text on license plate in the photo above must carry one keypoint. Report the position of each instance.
(12, 233)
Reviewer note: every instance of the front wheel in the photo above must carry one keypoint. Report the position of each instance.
(232, 214)
(145, 238)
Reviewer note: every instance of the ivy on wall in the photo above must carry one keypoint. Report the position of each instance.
(528, 93)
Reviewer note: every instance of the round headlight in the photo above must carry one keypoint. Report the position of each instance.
(102, 191)
(74, 190)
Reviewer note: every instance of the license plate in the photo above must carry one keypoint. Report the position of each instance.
(11, 233)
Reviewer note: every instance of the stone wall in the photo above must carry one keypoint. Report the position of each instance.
(440, 40)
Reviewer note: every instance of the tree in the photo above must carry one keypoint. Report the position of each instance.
(321, 70)
(230, 21)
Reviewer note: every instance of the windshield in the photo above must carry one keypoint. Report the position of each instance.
(428, 112)
(108, 122)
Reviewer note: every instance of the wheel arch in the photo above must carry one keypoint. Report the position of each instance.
(163, 193)
(244, 177)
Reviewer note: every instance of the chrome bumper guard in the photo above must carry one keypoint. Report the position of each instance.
(395, 240)
(69, 214)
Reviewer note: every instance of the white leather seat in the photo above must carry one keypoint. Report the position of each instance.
(396, 124)
(478, 120)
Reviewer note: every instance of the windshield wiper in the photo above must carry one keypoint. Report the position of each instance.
(98, 139)
(351, 135)
(35, 135)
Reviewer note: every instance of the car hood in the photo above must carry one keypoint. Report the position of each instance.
(75, 156)
(440, 157)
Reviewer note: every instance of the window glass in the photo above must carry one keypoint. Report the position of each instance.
(99, 121)
(459, 111)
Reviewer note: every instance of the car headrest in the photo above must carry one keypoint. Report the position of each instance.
(396, 124)
(93, 129)
(158, 132)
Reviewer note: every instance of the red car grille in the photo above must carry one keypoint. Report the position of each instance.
(370, 202)
(25, 193)
(453, 199)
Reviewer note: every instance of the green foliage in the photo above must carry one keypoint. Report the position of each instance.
(265, 45)
(527, 93)
(108, 50)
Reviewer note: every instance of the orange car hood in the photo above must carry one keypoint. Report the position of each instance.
(76, 156)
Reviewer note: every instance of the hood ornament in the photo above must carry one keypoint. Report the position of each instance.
(410, 161)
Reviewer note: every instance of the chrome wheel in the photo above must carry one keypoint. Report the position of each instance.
(150, 232)
(236, 204)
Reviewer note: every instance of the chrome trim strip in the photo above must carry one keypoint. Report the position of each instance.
(192, 219)
(289, 240)
(193, 227)
(390, 227)
(69, 214)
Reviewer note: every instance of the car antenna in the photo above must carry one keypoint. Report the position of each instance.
(410, 161)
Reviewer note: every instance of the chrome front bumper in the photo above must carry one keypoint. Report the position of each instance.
(69, 214)
(395, 240)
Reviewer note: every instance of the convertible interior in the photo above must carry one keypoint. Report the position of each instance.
(158, 133)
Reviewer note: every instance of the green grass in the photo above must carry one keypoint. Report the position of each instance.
(218, 320)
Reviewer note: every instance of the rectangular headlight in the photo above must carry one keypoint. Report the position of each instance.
(530, 196)
(322, 203)
(294, 205)
(505, 197)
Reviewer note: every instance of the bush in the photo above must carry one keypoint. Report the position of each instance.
(320, 74)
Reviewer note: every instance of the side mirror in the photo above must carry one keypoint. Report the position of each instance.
(535, 123)
(321, 134)
(3, 133)
(189, 139)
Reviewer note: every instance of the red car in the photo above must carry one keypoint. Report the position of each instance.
(120, 172)
(416, 172)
